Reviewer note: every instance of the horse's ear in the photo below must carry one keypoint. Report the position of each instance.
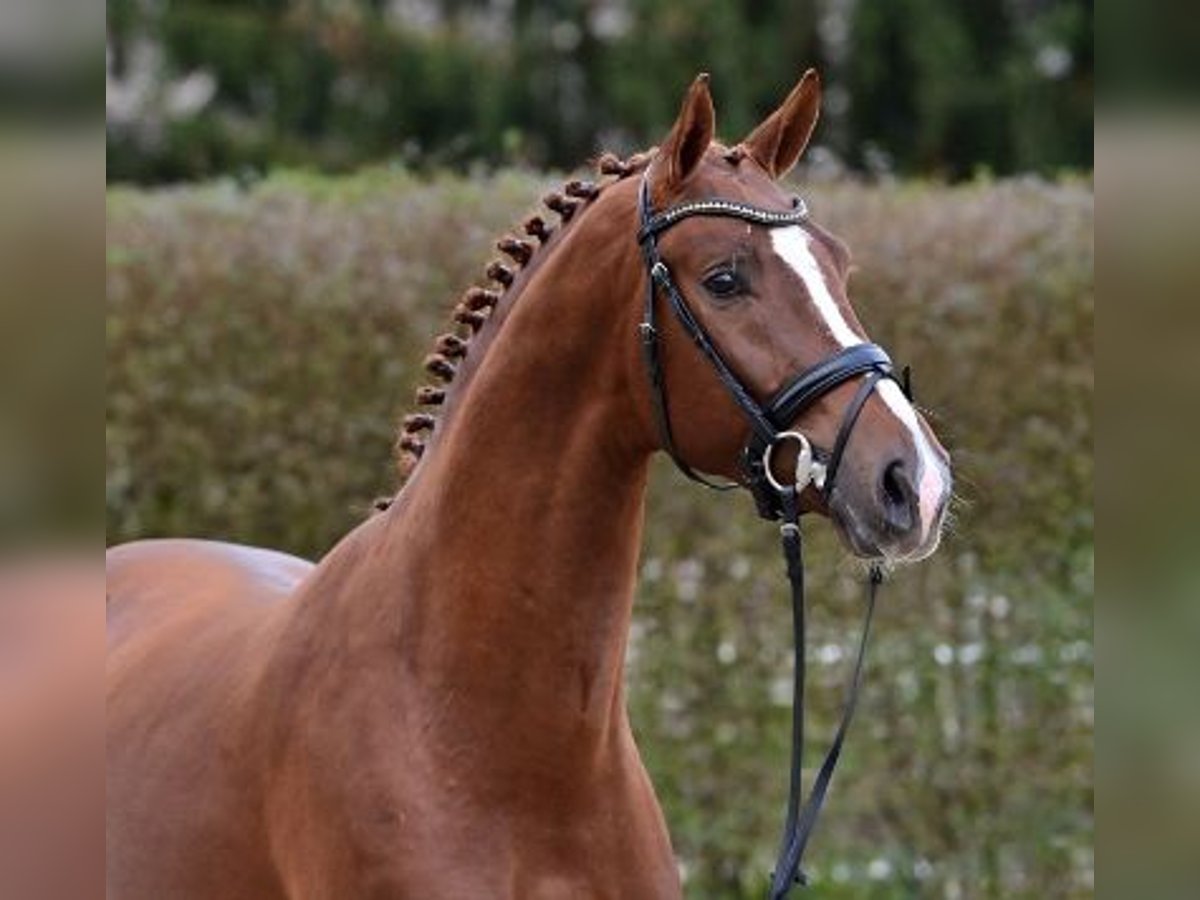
(684, 147)
(777, 143)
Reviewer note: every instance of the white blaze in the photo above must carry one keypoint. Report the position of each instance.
(791, 243)
(931, 482)
(792, 246)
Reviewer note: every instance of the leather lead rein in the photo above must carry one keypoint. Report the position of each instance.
(769, 426)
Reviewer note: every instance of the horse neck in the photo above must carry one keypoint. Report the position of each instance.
(502, 576)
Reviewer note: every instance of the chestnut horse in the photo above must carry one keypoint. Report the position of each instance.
(436, 708)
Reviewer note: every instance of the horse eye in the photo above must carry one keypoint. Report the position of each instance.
(723, 284)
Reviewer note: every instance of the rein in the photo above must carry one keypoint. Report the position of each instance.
(770, 426)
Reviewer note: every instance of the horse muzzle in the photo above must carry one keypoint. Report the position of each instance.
(894, 510)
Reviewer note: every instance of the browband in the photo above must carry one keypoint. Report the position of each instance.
(730, 209)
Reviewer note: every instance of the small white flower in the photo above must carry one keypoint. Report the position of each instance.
(969, 654)
(781, 691)
(1027, 655)
(689, 574)
(1076, 651)
(828, 654)
(879, 870)
(739, 569)
(1053, 61)
(190, 94)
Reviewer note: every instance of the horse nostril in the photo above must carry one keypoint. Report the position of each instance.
(899, 497)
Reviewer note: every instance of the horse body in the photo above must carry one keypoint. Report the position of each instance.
(436, 709)
(392, 722)
(254, 759)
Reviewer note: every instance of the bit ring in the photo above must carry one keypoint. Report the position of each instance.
(806, 465)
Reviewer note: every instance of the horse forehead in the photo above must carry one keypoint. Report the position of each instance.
(716, 176)
(744, 182)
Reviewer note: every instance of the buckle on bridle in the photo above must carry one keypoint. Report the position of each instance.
(808, 469)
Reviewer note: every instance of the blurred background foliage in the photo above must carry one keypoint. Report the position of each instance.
(203, 87)
(263, 340)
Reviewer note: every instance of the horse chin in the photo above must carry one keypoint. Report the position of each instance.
(860, 539)
(855, 539)
(926, 548)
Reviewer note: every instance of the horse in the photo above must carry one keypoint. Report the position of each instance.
(436, 708)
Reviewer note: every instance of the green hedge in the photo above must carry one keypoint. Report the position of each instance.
(938, 86)
(262, 343)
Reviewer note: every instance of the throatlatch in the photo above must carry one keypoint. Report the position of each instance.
(771, 425)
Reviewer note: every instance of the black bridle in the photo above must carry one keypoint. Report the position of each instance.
(771, 424)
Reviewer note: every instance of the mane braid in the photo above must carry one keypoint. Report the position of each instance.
(475, 307)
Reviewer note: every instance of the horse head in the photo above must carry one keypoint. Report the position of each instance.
(766, 288)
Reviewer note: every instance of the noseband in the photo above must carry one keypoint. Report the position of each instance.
(771, 425)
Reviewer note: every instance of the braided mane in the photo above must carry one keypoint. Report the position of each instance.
(474, 309)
